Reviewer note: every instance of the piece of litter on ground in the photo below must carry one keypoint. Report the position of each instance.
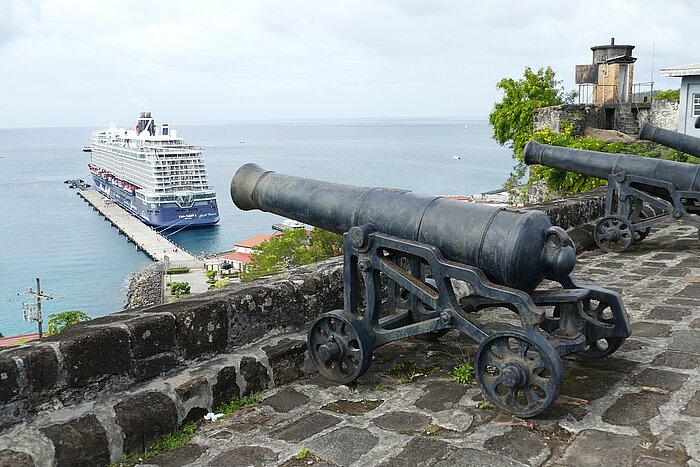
(213, 416)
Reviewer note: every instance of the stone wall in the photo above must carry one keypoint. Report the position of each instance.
(578, 115)
(663, 114)
(116, 384)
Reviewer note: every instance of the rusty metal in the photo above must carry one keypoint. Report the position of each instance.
(642, 192)
(404, 253)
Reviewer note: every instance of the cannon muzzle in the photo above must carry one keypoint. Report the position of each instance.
(685, 177)
(512, 247)
(672, 139)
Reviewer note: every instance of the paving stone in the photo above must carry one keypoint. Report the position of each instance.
(693, 407)
(670, 443)
(660, 379)
(675, 272)
(685, 341)
(286, 400)
(664, 256)
(693, 262)
(521, 444)
(249, 456)
(420, 452)
(673, 313)
(353, 407)
(255, 375)
(402, 422)
(344, 445)
(79, 442)
(690, 291)
(683, 302)
(652, 462)
(251, 421)
(593, 447)
(306, 426)
(474, 458)
(634, 409)
(695, 325)
(9, 458)
(680, 360)
(646, 271)
(223, 434)
(178, 457)
(647, 329)
(441, 395)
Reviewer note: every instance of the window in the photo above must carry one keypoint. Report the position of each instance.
(696, 105)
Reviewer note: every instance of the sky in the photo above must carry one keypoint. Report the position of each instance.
(75, 63)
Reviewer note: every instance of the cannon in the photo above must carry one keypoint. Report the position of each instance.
(672, 139)
(405, 254)
(642, 192)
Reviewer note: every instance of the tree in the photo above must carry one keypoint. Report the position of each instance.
(513, 117)
(295, 247)
(669, 94)
(59, 321)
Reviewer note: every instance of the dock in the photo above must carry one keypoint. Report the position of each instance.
(156, 246)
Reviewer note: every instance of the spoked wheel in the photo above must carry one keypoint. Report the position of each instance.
(600, 311)
(340, 346)
(640, 235)
(519, 372)
(613, 233)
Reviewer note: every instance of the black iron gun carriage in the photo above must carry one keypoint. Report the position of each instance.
(642, 192)
(403, 253)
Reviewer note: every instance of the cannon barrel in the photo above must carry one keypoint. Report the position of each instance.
(672, 139)
(513, 248)
(685, 177)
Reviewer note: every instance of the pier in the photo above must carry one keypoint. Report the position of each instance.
(144, 237)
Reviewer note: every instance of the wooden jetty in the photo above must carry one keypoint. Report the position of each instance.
(144, 237)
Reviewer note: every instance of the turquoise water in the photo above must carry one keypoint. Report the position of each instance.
(47, 231)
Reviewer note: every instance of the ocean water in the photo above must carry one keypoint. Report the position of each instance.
(47, 231)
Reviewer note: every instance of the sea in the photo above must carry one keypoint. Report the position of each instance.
(83, 263)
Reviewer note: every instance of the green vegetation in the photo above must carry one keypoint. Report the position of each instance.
(382, 387)
(211, 275)
(484, 404)
(303, 453)
(513, 117)
(178, 270)
(293, 248)
(236, 404)
(166, 443)
(59, 321)
(407, 371)
(179, 288)
(668, 94)
(463, 373)
(220, 284)
(569, 182)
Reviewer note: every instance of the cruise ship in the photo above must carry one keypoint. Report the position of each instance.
(153, 174)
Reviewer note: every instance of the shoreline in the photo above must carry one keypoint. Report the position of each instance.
(145, 286)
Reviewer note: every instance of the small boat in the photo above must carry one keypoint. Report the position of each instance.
(87, 149)
(456, 156)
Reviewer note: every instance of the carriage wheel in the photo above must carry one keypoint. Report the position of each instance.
(613, 233)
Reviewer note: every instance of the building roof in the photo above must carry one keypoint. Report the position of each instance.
(254, 241)
(691, 69)
(237, 256)
(16, 340)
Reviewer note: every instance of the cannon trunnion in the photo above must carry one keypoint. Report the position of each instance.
(642, 191)
(406, 254)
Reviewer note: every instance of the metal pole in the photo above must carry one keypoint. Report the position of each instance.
(38, 305)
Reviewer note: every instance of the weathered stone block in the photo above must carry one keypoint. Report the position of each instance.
(193, 388)
(402, 422)
(226, 387)
(286, 359)
(9, 372)
(9, 458)
(152, 334)
(147, 368)
(344, 445)
(79, 442)
(202, 329)
(286, 400)
(305, 427)
(255, 375)
(144, 419)
(593, 447)
(91, 353)
(246, 455)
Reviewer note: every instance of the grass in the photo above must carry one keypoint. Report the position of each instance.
(303, 453)
(185, 433)
(485, 404)
(382, 387)
(166, 443)
(463, 373)
(236, 404)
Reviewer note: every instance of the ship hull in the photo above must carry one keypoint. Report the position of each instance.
(171, 216)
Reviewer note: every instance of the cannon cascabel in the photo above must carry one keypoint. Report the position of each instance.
(511, 247)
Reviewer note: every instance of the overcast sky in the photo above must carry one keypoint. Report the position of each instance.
(76, 62)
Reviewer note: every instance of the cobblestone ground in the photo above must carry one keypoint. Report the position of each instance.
(640, 406)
